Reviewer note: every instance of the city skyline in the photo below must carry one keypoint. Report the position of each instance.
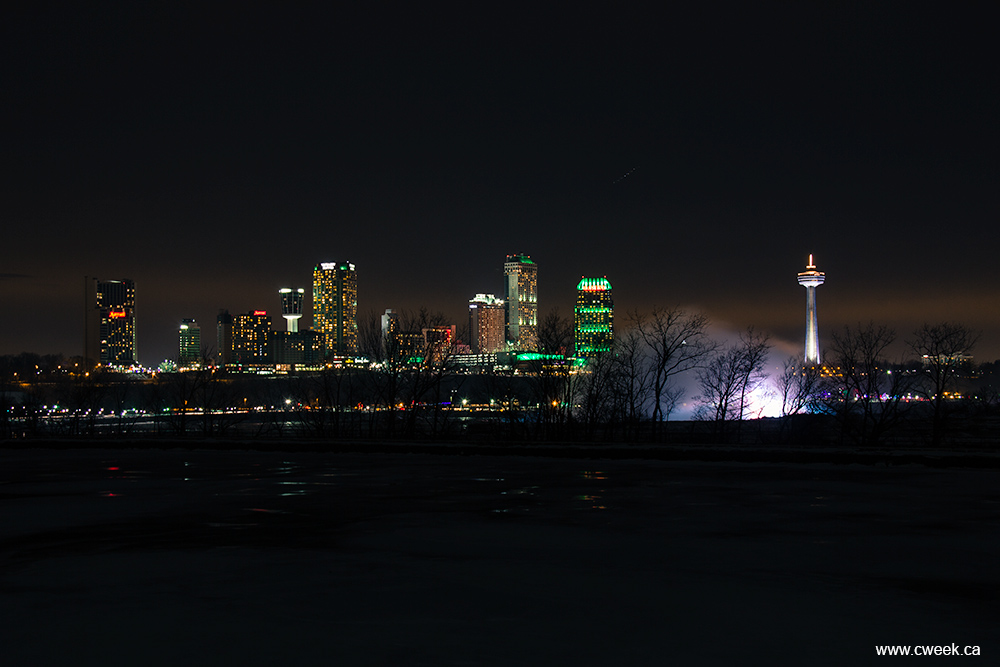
(783, 346)
(695, 160)
(289, 181)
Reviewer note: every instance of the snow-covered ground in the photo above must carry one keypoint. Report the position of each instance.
(256, 558)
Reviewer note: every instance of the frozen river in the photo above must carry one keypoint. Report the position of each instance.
(254, 558)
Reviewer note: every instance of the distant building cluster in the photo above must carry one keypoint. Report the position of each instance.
(497, 328)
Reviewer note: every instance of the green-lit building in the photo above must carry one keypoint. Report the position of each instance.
(189, 343)
(593, 317)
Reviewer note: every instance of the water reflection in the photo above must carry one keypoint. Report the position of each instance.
(526, 491)
(593, 500)
(224, 483)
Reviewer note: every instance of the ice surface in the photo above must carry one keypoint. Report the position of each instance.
(212, 557)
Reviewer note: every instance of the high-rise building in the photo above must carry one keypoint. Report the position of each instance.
(109, 322)
(521, 297)
(291, 307)
(438, 342)
(252, 339)
(297, 348)
(409, 348)
(293, 347)
(811, 279)
(335, 307)
(593, 317)
(224, 338)
(390, 330)
(486, 324)
(189, 343)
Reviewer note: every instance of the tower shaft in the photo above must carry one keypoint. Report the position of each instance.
(812, 329)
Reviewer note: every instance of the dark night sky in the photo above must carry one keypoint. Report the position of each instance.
(215, 156)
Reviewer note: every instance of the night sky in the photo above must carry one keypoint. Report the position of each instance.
(694, 157)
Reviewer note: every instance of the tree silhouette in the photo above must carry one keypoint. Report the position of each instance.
(866, 395)
(677, 342)
(942, 349)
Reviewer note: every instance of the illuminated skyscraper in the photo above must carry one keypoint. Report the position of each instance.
(521, 294)
(486, 324)
(109, 324)
(335, 307)
(189, 343)
(811, 279)
(252, 339)
(291, 307)
(593, 317)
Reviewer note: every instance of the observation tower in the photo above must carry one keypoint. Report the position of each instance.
(811, 279)
(291, 307)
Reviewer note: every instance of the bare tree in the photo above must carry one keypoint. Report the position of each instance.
(595, 392)
(406, 374)
(677, 342)
(798, 387)
(179, 392)
(942, 349)
(555, 333)
(216, 393)
(730, 376)
(631, 380)
(719, 382)
(867, 395)
(551, 380)
(754, 348)
(370, 335)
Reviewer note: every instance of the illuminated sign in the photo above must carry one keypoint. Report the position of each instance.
(259, 312)
(116, 313)
(328, 266)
